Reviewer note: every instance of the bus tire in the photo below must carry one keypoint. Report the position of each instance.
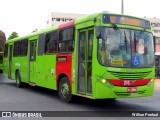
(64, 90)
(18, 80)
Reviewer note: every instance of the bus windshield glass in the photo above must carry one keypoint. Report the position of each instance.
(125, 48)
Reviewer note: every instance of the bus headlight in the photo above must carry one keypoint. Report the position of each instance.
(103, 81)
(152, 80)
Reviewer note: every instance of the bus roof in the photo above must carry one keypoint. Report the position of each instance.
(96, 15)
(70, 23)
(34, 34)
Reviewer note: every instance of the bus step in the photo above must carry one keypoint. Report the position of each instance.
(32, 84)
(90, 97)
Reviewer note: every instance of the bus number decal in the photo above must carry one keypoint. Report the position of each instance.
(17, 64)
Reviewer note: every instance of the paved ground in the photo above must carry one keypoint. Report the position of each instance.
(39, 99)
(157, 84)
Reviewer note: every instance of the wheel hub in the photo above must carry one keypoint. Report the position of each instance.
(65, 89)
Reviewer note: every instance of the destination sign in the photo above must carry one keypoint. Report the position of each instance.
(61, 59)
(126, 20)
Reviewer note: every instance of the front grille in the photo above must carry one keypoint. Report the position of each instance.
(130, 76)
(128, 93)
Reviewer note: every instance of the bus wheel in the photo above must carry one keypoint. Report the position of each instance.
(18, 80)
(64, 90)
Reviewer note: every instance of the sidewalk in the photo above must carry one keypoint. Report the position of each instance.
(157, 83)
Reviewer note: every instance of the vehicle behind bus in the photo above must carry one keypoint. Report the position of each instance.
(1, 61)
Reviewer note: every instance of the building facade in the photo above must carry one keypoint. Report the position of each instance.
(2, 40)
(55, 18)
(155, 22)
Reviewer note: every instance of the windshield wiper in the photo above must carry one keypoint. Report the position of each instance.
(144, 29)
(141, 33)
(135, 43)
(114, 26)
(117, 29)
(125, 40)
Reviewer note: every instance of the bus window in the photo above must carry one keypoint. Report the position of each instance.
(66, 40)
(51, 42)
(24, 47)
(16, 51)
(6, 51)
(41, 43)
(33, 51)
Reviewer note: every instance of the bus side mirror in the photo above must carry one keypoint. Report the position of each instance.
(154, 42)
(98, 32)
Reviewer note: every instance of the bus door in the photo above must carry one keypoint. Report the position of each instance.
(10, 61)
(32, 61)
(85, 47)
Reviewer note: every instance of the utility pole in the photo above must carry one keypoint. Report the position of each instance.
(122, 7)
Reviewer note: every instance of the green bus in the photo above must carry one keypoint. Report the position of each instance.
(1, 61)
(98, 56)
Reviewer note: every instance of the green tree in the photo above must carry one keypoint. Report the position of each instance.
(13, 35)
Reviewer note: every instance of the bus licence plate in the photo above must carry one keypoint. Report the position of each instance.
(132, 89)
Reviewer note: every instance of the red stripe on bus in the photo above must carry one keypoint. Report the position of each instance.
(64, 67)
(66, 24)
(130, 83)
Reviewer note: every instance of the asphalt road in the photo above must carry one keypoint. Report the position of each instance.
(40, 99)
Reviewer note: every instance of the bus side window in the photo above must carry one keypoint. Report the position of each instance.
(24, 47)
(41, 43)
(82, 46)
(6, 51)
(51, 42)
(66, 40)
(16, 51)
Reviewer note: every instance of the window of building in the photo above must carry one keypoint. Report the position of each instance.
(62, 19)
(70, 19)
(58, 19)
(6, 50)
(156, 31)
(51, 42)
(66, 19)
(155, 24)
(66, 40)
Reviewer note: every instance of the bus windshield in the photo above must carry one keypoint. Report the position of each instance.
(125, 48)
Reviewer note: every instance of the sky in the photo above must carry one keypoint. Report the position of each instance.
(24, 16)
